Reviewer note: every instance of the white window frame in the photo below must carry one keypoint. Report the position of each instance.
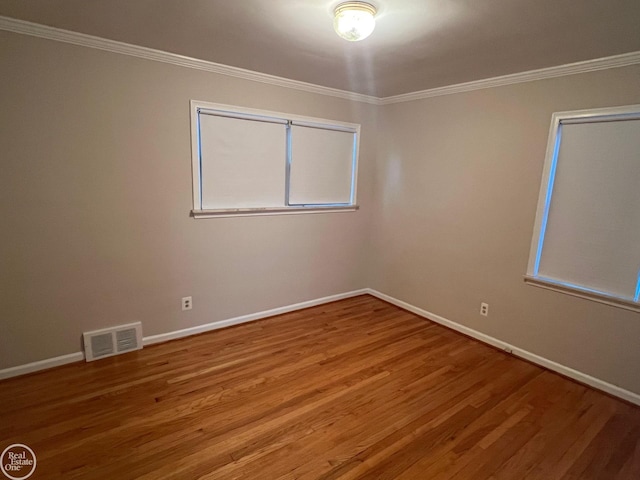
(237, 112)
(599, 115)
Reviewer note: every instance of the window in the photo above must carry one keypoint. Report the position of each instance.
(250, 162)
(587, 233)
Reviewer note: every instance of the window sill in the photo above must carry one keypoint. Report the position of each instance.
(586, 294)
(256, 212)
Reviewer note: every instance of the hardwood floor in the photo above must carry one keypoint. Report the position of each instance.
(356, 389)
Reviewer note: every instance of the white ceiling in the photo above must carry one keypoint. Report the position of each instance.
(417, 44)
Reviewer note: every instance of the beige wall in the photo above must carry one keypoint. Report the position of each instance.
(457, 182)
(95, 190)
(95, 195)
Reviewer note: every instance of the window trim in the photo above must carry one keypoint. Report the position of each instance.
(233, 111)
(256, 212)
(596, 115)
(587, 294)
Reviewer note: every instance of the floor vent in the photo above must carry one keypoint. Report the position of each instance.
(112, 341)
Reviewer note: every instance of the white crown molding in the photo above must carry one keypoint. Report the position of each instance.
(84, 40)
(66, 36)
(632, 58)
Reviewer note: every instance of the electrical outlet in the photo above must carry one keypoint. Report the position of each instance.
(484, 309)
(187, 303)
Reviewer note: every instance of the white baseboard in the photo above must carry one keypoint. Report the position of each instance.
(518, 352)
(164, 337)
(41, 365)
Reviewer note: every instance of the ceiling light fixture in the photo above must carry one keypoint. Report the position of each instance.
(354, 21)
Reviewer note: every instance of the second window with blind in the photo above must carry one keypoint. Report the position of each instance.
(587, 234)
(250, 162)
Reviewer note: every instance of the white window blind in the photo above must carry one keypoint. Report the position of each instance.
(243, 162)
(322, 163)
(588, 226)
(252, 162)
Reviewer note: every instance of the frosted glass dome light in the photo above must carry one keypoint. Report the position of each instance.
(354, 21)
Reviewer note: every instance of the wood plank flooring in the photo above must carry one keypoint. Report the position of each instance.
(356, 389)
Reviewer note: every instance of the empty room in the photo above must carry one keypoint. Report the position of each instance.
(317, 239)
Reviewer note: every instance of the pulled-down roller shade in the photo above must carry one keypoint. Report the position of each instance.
(588, 225)
(243, 162)
(322, 162)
